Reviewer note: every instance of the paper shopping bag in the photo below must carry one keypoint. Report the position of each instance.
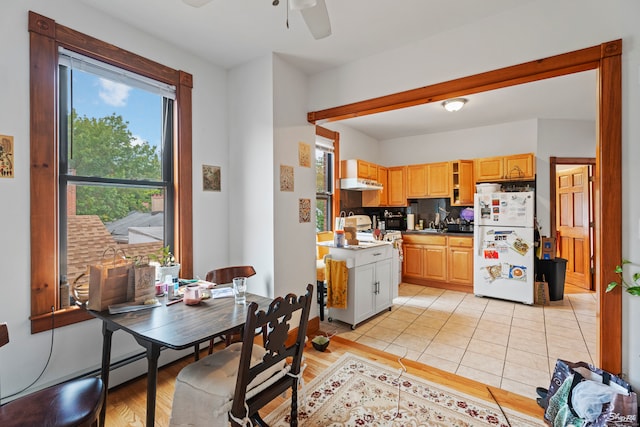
(109, 281)
(143, 277)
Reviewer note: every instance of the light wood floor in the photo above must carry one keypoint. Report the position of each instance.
(126, 404)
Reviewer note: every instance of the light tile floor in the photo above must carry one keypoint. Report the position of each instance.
(504, 344)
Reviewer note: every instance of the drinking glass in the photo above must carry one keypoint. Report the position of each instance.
(240, 289)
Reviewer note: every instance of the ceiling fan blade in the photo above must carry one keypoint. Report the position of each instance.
(196, 3)
(317, 19)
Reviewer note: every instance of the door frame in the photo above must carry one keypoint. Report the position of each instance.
(553, 162)
(606, 59)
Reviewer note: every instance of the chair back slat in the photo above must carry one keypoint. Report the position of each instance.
(277, 323)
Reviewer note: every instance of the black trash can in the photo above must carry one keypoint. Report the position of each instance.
(553, 271)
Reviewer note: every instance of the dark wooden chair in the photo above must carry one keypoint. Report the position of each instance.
(75, 403)
(253, 374)
(223, 276)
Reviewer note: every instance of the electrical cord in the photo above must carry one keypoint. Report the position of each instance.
(499, 406)
(403, 369)
(45, 365)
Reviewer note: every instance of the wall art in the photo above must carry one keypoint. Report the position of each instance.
(210, 178)
(304, 210)
(304, 154)
(6, 156)
(286, 178)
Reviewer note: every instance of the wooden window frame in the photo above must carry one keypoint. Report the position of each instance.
(45, 36)
(606, 59)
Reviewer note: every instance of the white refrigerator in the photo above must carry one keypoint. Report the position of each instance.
(503, 246)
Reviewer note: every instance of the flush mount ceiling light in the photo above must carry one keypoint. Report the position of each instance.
(455, 104)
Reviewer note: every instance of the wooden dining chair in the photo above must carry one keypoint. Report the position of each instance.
(75, 403)
(233, 384)
(224, 276)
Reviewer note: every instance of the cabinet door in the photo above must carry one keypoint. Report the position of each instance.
(519, 166)
(413, 260)
(489, 168)
(384, 295)
(435, 263)
(395, 180)
(416, 181)
(363, 169)
(384, 180)
(371, 198)
(438, 179)
(460, 265)
(462, 183)
(364, 288)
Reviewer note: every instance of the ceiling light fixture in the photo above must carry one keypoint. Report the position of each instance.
(455, 104)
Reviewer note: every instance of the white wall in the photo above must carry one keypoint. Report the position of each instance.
(559, 138)
(495, 140)
(357, 145)
(294, 241)
(250, 209)
(536, 30)
(77, 348)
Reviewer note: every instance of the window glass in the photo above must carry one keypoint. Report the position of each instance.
(324, 187)
(115, 168)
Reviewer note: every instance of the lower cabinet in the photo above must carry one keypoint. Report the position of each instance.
(438, 260)
(460, 261)
(369, 292)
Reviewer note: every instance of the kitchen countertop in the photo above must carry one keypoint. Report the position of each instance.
(436, 232)
(360, 245)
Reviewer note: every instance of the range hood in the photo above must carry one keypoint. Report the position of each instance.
(359, 184)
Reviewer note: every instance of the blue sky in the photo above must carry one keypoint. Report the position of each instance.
(99, 97)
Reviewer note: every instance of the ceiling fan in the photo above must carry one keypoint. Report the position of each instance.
(314, 13)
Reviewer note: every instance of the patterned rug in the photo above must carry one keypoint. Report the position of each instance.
(359, 392)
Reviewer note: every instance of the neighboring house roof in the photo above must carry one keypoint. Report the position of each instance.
(88, 238)
(119, 229)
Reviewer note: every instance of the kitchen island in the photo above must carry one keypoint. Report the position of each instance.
(369, 288)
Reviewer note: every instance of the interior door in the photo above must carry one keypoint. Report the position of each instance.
(573, 223)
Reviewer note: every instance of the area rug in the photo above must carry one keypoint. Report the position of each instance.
(359, 392)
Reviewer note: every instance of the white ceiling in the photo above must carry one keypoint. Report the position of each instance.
(231, 32)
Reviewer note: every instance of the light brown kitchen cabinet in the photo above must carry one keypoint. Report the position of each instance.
(383, 178)
(396, 195)
(442, 261)
(412, 261)
(505, 168)
(428, 180)
(375, 198)
(462, 183)
(460, 260)
(425, 257)
(438, 179)
(416, 181)
(356, 168)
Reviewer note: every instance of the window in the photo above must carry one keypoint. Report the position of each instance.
(115, 155)
(324, 186)
(57, 176)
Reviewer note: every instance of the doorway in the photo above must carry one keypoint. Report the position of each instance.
(606, 58)
(571, 201)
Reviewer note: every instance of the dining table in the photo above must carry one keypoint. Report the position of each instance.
(174, 326)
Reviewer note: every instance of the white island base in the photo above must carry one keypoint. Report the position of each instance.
(370, 285)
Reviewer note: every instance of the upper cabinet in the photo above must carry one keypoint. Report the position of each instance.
(396, 194)
(505, 168)
(438, 179)
(376, 198)
(462, 183)
(416, 181)
(355, 168)
(428, 180)
(383, 179)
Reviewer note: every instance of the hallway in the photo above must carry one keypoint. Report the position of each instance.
(505, 344)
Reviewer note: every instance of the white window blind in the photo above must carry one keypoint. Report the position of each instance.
(76, 61)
